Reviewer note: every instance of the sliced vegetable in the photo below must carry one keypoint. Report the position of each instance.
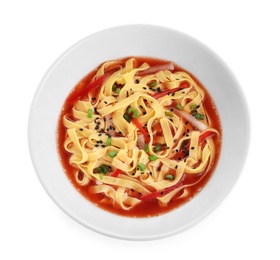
(103, 169)
(153, 157)
(113, 153)
(195, 122)
(127, 118)
(169, 177)
(141, 128)
(135, 113)
(94, 85)
(140, 141)
(157, 194)
(169, 113)
(142, 167)
(179, 106)
(90, 113)
(170, 91)
(146, 148)
(194, 106)
(153, 84)
(131, 116)
(109, 141)
(203, 136)
(116, 173)
(198, 116)
(156, 68)
(157, 148)
(129, 110)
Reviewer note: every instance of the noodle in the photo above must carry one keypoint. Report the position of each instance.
(128, 137)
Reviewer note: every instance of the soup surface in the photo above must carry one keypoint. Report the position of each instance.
(139, 136)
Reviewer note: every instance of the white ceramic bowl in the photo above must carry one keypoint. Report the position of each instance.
(137, 40)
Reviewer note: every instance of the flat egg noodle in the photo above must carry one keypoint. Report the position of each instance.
(86, 143)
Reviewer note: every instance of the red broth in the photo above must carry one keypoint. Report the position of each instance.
(146, 208)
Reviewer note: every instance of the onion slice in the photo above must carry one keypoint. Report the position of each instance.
(195, 122)
(109, 125)
(140, 141)
(156, 68)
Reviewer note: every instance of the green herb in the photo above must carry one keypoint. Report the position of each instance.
(198, 116)
(169, 177)
(129, 110)
(157, 148)
(101, 175)
(194, 106)
(114, 87)
(118, 90)
(89, 113)
(146, 148)
(142, 167)
(103, 169)
(109, 141)
(179, 106)
(135, 113)
(113, 153)
(127, 118)
(153, 84)
(153, 157)
(169, 113)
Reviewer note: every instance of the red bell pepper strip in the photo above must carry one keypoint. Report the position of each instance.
(208, 133)
(141, 129)
(205, 135)
(91, 86)
(170, 91)
(156, 68)
(116, 173)
(157, 194)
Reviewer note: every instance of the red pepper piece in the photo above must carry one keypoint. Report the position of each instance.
(93, 85)
(157, 194)
(170, 91)
(203, 137)
(141, 128)
(116, 173)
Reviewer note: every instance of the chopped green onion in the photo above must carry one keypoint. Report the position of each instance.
(169, 177)
(153, 84)
(127, 118)
(179, 106)
(113, 153)
(146, 148)
(103, 169)
(169, 113)
(194, 106)
(101, 175)
(153, 157)
(114, 87)
(157, 148)
(129, 110)
(118, 90)
(198, 116)
(142, 167)
(89, 113)
(135, 113)
(109, 141)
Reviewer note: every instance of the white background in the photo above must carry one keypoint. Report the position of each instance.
(245, 34)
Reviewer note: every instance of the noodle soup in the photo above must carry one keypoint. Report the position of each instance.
(139, 136)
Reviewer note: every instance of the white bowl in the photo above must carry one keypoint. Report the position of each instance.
(137, 40)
